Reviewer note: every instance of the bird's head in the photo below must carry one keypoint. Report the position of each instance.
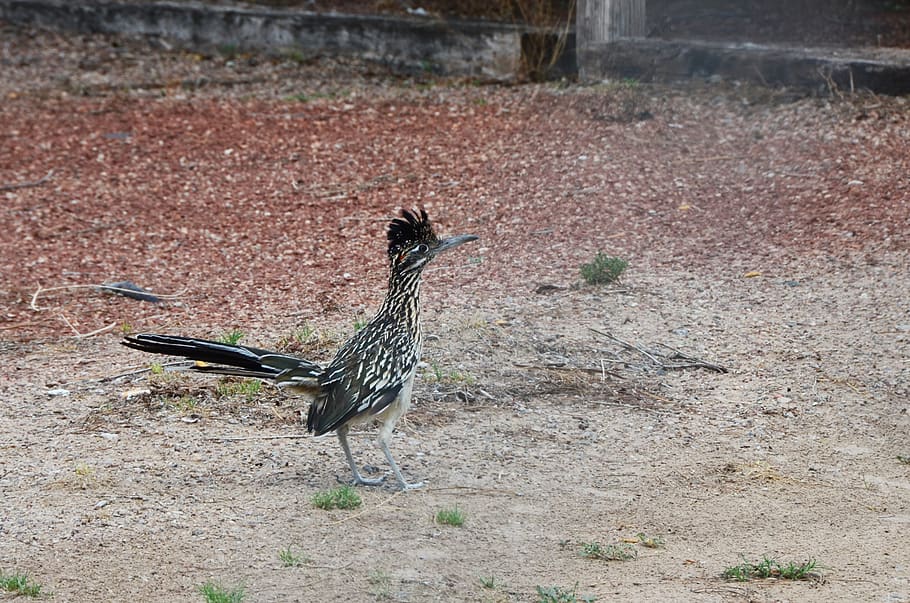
(413, 243)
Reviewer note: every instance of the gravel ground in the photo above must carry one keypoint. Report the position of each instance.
(765, 233)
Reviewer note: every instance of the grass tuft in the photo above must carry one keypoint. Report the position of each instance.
(557, 594)
(603, 269)
(289, 558)
(19, 584)
(770, 568)
(214, 593)
(382, 584)
(440, 375)
(450, 517)
(231, 337)
(608, 552)
(244, 387)
(651, 542)
(342, 497)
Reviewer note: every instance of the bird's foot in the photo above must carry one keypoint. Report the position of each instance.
(409, 486)
(359, 480)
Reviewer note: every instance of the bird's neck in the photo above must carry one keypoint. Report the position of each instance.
(402, 301)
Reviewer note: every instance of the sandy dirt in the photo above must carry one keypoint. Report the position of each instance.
(765, 234)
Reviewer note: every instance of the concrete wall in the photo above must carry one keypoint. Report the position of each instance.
(446, 47)
(818, 70)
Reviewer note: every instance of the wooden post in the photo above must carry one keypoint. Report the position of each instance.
(598, 21)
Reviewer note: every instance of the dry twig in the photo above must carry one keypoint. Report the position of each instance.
(661, 362)
(28, 184)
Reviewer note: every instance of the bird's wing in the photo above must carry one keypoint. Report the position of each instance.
(363, 379)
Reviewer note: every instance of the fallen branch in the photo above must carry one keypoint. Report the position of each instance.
(296, 436)
(40, 290)
(661, 362)
(28, 184)
(136, 372)
(692, 361)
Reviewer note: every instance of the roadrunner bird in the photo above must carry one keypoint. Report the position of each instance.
(371, 376)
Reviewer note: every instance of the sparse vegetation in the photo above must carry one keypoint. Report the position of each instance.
(184, 405)
(214, 593)
(608, 552)
(156, 368)
(342, 497)
(557, 594)
(18, 583)
(244, 387)
(360, 323)
(381, 582)
(84, 475)
(770, 568)
(289, 558)
(450, 517)
(231, 337)
(489, 582)
(603, 269)
(126, 328)
(904, 458)
(651, 542)
(441, 375)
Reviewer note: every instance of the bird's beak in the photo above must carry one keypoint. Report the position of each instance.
(453, 242)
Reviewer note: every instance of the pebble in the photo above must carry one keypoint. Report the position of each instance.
(58, 392)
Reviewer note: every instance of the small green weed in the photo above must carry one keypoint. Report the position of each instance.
(126, 328)
(651, 542)
(214, 593)
(382, 584)
(489, 582)
(440, 375)
(609, 552)
(18, 583)
(231, 337)
(184, 404)
(289, 558)
(770, 568)
(557, 594)
(360, 323)
(904, 458)
(84, 476)
(342, 497)
(156, 368)
(603, 269)
(450, 517)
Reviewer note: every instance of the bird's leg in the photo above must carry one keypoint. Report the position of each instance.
(389, 418)
(401, 482)
(358, 479)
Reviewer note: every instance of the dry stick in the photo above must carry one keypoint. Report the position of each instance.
(695, 362)
(146, 370)
(631, 346)
(33, 304)
(96, 331)
(692, 362)
(29, 184)
(265, 437)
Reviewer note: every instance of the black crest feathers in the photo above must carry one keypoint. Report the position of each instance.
(411, 228)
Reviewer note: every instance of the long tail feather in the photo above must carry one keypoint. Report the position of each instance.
(235, 359)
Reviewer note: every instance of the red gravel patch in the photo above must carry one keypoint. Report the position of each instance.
(251, 204)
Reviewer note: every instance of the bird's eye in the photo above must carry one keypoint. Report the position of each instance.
(421, 248)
